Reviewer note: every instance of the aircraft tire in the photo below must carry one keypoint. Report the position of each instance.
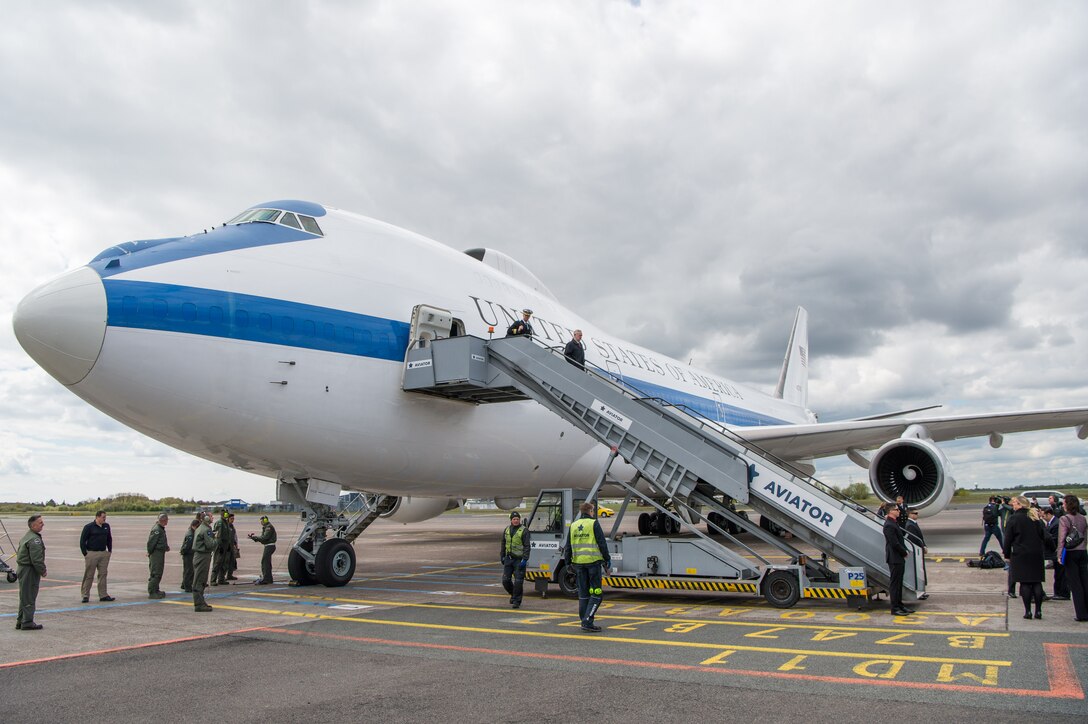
(568, 582)
(644, 527)
(298, 569)
(335, 563)
(782, 589)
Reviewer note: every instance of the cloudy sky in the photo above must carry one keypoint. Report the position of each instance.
(685, 173)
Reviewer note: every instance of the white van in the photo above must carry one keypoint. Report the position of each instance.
(1042, 496)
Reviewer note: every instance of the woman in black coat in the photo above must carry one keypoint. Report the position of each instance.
(1024, 549)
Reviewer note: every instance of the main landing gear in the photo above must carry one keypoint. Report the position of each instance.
(323, 552)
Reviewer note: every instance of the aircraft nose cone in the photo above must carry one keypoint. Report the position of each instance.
(62, 323)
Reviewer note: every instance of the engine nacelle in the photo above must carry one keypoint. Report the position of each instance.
(413, 509)
(916, 469)
(509, 503)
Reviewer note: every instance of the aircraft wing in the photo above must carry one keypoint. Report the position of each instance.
(824, 439)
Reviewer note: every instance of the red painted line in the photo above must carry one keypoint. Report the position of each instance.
(1064, 683)
(1060, 671)
(134, 647)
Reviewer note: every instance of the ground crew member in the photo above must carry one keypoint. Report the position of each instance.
(267, 538)
(522, 325)
(221, 559)
(514, 556)
(156, 555)
(96, 545)
(587, 550)
(204, 544)
(187, 557)
(30, 564)
(235, 554)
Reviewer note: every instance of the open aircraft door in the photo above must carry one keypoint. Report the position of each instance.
(428, 324)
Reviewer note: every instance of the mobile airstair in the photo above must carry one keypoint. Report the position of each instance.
(688, 468)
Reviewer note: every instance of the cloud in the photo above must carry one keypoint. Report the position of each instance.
(683, 174)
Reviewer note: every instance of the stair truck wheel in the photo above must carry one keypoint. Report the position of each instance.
(568, 582)
(335, 564)
(781, 589)
(300, 571)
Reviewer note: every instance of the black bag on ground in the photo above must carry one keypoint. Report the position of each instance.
(992, 559)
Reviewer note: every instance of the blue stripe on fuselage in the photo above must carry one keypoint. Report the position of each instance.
(217, 313)
(710, 409)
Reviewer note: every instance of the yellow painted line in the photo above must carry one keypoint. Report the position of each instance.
(603, 613)
(617, 639)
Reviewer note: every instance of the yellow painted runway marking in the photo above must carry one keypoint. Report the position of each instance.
(600, 637)
(611, 616)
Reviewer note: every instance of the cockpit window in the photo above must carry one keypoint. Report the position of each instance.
(278, 216)
(310, 224)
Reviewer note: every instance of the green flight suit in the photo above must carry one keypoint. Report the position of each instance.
(221, 558)
(30, 561)
(156, 555)
(204, 545)
(187, 560)
(267, 538)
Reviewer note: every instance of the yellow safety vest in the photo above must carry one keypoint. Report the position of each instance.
(514, 544)
(583, 544)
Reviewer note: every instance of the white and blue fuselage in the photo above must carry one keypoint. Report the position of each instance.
(278, 348)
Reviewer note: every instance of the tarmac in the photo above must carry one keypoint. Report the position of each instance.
(425, 632)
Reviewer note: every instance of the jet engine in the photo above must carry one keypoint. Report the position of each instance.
(413, 509)
(915, 468)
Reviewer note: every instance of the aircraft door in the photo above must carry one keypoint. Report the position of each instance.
(429, 323)
(613, 370)
(719, 408)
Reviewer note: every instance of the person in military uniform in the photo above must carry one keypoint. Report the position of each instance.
(586, 549)
(204, 544)
(235, 554)
(30, 562)
(187, 557)
(221, 559)
(156, 555)
(522, 325)
(514, 556)
(267, 538)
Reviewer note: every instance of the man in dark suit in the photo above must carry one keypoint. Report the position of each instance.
(1050, 550)
(895, 553)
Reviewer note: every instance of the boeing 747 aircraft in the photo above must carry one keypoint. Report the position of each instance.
(275, 344)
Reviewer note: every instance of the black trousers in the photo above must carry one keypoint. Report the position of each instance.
(895, 590)
(513, 578)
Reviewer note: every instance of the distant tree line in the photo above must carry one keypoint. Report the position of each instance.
(120, 503)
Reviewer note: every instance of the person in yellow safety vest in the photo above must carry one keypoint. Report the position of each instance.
(514, 556)
(586, 549)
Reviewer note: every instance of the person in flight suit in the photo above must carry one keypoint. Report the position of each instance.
(514, 556)
(187, 557)
(30, 562)
(156, 555)
(235, 554)
(204, 544)
(267, 538)
(221, 559)
(521, 326)
(586, 549)
(895, 553)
